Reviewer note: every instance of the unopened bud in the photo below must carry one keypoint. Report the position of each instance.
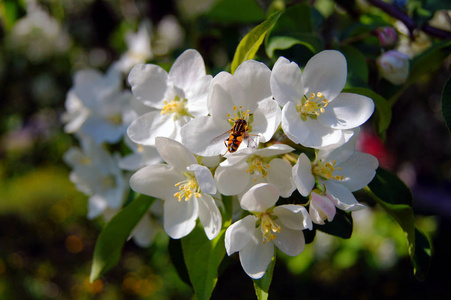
(321, 207)
(387, 36)
(394, 66)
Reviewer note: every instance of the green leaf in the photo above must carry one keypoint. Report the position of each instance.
(309, 40)
(202, 259)
(294, 27)
(357, 67)
(382, 112)
(226, 11)
(113, 236)
(395, 197)
(261, 285)
(251, 42)
(446, 103)
(340, 226)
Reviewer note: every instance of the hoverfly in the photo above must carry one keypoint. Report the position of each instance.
(235, 136)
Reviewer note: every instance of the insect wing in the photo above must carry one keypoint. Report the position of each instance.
(251, 140)
(221, 138)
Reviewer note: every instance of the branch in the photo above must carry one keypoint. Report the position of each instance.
(410, 24)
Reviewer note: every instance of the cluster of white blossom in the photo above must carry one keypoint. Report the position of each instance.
(195, 137)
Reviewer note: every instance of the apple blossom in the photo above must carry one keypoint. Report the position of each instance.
(337, 173)
(175, 98)
(185, 187)
(245, 95)
(315, 113)
(138, 45)
(244, 169)
(394, 66)
(255, 236)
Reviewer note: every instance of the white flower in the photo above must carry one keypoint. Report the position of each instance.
(185, 187)
(97, 174)
(138, 48)
(255, 235)
(244, 95)
(337, 173)
(176, 97)
(394, 66)
(315, 113)
(246, 168)
(98, 107)
(141, 156)
(321, 207)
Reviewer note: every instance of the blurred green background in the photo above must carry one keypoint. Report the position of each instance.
(46, 242)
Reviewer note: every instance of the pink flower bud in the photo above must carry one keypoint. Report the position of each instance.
(387, 36)
(394, 66)
(321, 207)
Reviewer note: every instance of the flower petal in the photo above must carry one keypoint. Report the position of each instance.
(286, 83)
(326, 73)
(289, 241)
(358, 171)
(232, 180)
(187, 69)
(239, 233)
(342, 196)
(347, 111)
(157, 181)
(266, 119)
(292, 124)
(180, 217)
(203, 137)
(149, 84)
(343, 152)
(293, 216)
(209, 215)
(260, 197)
(321, 208)
(174, 153)
(256, 256)
(147, 127)
(302, 175)
(280, 174)
(204, 178)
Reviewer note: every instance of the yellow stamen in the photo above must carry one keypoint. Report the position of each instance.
(268, 227)
(326, 170)
(257, 166)
(177, 107)
(312, 106)
(187, 189)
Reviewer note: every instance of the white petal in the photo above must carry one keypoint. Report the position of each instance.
(342, 196)
(197, 96)
(286, 83)
(321, 208)
(157, 181)
(293, 216)
(103, 131)
(326, 73)
(273, 150)
(292, 124)
(187, 69)
(239, 233)
(347, 111)
(203, 137)
(147, 127)
(256, 256)
(144, 231)
(96, 205)
(232, 180)
(221, 105)
(174, 153)
(343, 152)
(149, 84)
(204, 178)
(209, 215)
(358, 171)
(180, 217)
(260, 197)
(302, 175)
(320, 137)
(266, 119)
(280, 174)
(290, 242)
(254, 77)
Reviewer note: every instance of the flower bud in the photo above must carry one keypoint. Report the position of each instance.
(321, 207)
(394, 66)
(387, 36)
